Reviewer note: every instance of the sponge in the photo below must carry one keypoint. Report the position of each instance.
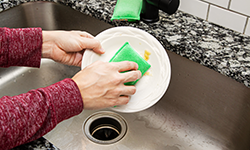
(127, 10)
(127, 53)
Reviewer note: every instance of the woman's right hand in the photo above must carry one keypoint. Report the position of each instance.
(102, 85)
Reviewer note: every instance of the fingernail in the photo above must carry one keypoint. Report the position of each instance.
(139, 75)
(137, 66)
(102, 50)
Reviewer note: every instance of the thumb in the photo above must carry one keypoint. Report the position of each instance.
(93, 44)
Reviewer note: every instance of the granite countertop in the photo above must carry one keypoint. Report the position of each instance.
(216, 47)
(221, 49)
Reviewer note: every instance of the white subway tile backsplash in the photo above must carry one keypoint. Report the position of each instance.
(227, 18)
(222, 3)
(248, 28)
(194, 7)
(228, 13)
(242, 6)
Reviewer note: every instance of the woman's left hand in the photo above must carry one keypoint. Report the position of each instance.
(67, 47)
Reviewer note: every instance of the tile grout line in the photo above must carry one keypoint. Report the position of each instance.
(228, 8)
(229, 4)
(208, 10)
(245, 27)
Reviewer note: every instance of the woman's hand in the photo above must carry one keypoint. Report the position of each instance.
(67, 47)
(102, 85)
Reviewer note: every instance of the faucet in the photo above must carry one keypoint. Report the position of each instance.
(150, 9)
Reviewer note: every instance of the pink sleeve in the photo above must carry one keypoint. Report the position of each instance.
(28, 116)
(20, 47)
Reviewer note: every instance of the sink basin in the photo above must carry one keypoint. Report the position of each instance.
(48, 16)
(201, 110)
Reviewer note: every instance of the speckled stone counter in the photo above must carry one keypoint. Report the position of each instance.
(39, 144)
(213, 46)
(218, 48)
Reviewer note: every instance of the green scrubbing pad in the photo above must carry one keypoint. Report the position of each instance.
(127, 53)
(127, 10)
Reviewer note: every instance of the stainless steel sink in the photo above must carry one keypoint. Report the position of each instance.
(201, 110)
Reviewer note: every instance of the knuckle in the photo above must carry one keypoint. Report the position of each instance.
(75, 32)
(116, 80)
(117, 91)
(114, 66)
(129, 63)
(124, 100)
(132, 64)
(99, 63)
(96, 43)
(112, 102)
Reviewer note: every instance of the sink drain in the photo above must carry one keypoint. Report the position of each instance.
(105, 127)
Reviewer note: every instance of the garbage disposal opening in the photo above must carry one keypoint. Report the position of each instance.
(105, 127)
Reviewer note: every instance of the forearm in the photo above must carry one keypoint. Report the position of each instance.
(20, 47)
(29, 116)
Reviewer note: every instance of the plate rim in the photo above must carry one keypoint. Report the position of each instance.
(155, 41)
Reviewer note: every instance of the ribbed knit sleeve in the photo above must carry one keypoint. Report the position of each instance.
(28, 116)
(20, 47)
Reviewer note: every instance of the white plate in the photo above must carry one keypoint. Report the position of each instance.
(150, 88)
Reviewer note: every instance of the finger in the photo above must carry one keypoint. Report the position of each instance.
(128, 90)
(72, 59)
(93, 44)
(77, 60)
(83, 34)
(122, 100)
(131, 76)
(126, 66)
(86, 34)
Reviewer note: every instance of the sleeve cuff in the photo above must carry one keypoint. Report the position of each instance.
(65, 98)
